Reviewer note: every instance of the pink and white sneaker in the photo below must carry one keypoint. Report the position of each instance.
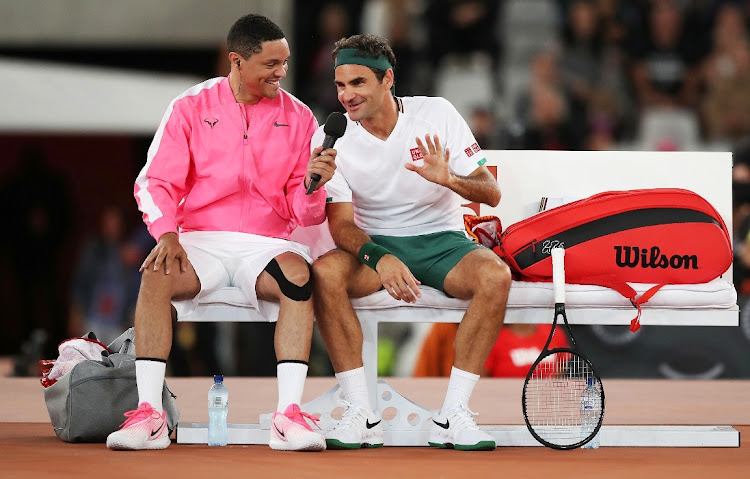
(144, 428)
(291, 432)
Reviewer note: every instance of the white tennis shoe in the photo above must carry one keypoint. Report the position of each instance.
(359, 427)
(456, 429)
(144, 428)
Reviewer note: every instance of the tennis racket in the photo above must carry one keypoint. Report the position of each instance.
(563, 398)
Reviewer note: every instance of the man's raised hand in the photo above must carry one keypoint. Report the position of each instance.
(435, 168)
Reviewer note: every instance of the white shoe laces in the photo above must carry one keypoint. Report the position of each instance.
(351, 414)
(462, 417)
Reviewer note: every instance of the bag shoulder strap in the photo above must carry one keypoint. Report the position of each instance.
(612, 282)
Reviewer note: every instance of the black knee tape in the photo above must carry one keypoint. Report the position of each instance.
(289, 289)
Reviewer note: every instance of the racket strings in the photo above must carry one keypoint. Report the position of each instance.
(553, 397)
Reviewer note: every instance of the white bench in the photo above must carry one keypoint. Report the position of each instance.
(524, 178)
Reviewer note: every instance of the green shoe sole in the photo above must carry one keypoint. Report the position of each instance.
(440, 445)
(336, 444)
(480, 446)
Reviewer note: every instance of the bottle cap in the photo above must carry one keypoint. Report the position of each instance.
(218, 378)
(591, 381)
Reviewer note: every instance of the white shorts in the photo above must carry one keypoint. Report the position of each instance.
(226, 258)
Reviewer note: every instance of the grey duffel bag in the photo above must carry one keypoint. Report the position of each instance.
(90, 401)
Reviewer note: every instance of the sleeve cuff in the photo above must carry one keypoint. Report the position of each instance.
(312, 207)
(312, 201)
(161, 226)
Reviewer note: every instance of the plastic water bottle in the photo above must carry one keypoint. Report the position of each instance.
(218, 407)
(591, 407)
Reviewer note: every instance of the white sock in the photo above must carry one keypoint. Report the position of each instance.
(460, 387)
(291, 381)
(354, 384)
(149, 374)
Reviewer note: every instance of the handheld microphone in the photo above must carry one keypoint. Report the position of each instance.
(334, 129)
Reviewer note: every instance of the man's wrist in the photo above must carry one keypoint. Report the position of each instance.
(166, 235)
(370, 253)
(452, 180)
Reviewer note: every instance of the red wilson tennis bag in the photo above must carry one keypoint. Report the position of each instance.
(661, 236)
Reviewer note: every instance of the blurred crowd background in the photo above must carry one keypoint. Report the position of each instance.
(85, 84)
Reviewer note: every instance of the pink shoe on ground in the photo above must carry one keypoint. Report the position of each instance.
(291, 432)
(144, 428)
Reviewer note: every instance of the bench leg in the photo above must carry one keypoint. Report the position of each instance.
(370, 358)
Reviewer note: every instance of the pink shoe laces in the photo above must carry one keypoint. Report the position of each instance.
(144, 411)
(295, 414)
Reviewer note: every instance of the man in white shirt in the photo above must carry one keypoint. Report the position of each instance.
(394, 211)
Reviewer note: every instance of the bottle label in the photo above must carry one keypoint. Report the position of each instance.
(218, 401)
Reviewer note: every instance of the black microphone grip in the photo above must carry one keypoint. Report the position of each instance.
(328, 142)
(334, 129)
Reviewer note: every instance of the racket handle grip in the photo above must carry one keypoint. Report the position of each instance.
(558, 274)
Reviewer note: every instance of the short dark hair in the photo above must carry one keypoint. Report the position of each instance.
(370, 46)
(248, 34)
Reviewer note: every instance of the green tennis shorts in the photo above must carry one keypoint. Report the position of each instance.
(429, 257)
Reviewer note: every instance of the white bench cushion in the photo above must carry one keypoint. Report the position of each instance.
(717, 294)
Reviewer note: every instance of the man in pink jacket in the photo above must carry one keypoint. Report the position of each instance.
(222, 189)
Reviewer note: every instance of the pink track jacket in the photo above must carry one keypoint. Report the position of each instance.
(202, 174)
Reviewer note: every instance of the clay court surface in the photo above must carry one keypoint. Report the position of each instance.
(30, 449)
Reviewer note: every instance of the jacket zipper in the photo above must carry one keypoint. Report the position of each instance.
(246, 126)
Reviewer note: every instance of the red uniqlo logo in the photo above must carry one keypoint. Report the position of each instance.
(416, 155)
(475, 147)
(468, 151)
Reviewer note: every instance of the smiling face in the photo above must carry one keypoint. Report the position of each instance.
(360, 92)
(260, 74)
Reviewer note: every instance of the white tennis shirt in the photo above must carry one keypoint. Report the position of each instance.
(388, 199)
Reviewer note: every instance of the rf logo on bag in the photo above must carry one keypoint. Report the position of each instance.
(547, 246)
